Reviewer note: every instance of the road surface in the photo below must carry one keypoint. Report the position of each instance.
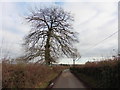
(68, 80)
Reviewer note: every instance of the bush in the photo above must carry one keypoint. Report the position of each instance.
(27, 75)
(104, 73)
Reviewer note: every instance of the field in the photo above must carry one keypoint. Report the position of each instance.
(104, 74)
(28, 75)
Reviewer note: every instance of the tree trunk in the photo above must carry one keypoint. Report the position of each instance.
(47, 48)
(73, 63)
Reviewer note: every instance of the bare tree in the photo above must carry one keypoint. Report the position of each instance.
(51, 34)
(75, 56)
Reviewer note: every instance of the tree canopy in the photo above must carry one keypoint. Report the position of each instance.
(51, 35)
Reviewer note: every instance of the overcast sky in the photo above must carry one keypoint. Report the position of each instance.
(94, 21)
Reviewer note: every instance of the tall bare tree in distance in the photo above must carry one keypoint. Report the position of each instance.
(75, 56)
(51, 34)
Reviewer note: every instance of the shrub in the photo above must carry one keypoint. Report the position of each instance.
(27, 75)
(105, 73)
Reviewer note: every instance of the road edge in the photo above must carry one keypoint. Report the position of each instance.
(52, 82)
(81, 80)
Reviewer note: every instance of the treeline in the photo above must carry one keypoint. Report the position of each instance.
(104, 74)
(28, 75)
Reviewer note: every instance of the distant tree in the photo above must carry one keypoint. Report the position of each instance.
(51, 34)
(75, 56)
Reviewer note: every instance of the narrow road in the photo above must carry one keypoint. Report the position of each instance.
(68, 80)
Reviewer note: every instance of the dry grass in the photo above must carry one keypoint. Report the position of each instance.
(0, 75)
(28, 75)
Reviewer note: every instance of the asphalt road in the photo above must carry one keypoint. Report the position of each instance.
(68, 80)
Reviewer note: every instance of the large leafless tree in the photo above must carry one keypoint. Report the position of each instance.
(51, 34)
